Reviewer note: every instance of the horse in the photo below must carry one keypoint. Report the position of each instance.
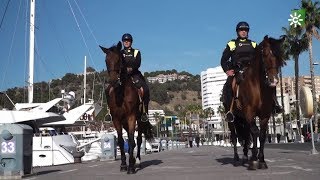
(125, 107)
(253, 97)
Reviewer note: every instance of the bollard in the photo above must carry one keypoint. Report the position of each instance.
(143, 146)
(169, 145)
(164, 144)
(108, 147)
(16, 150)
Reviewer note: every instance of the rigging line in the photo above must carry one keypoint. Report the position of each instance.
(58, 39)
(91, 32)
(4, 14)
(12, 40)
(94, 37)
(84, 41)
(42, 61)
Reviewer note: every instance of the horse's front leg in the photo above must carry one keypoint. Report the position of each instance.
(139, 142)
(262, 138)
(246, 145)
(234, 142)
(253, 164)
(123, 166)
(118, 127)
(132, 144)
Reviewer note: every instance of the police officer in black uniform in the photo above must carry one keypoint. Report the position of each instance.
(238, 54)
(132, 62)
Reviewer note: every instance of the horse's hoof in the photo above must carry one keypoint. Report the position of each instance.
(138, 166)
(131, 170)
(236, 158)
(236, 163)
(244, 160)
(253, 165)
(123, 168)
(263, 165)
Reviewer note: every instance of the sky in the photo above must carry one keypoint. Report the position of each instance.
(186, 35)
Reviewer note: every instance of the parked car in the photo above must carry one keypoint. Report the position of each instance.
(156, 146)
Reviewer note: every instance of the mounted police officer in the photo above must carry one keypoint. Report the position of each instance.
(236, 56)
(131, 64)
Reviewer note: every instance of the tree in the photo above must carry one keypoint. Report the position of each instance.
(194, 109)
(208, 113)
(90, 69)
(312, 25)
(295, 43)
(156, 116)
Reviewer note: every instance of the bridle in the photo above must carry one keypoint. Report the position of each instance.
(266, 69)
(117, 71)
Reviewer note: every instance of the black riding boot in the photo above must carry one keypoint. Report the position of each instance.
(277, 108)
(144, 117)
(229, 117)
(146, 99)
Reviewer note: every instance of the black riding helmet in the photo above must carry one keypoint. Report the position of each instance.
(127, 36)
(242, 25)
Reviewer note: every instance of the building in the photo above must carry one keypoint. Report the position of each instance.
(212, 81)
(162, 78)
(288, 85)
(153, 116)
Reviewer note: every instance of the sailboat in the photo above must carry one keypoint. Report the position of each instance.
(48, 148)
(33, 114)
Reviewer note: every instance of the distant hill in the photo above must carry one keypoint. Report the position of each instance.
(169, 96)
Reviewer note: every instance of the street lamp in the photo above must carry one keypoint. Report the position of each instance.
(314, 98)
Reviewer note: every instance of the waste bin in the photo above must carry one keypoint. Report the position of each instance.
(16, 149)
(108, 147)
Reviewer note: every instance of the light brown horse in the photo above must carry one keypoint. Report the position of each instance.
(255, 99)
(124, 103)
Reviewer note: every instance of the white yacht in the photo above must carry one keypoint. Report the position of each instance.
(49, 147)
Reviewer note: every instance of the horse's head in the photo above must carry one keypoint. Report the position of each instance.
(113, 62)
(272, 58)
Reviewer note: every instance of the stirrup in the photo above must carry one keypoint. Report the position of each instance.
(229, 117)
(144, 117)
(278, 109)
(108, 118)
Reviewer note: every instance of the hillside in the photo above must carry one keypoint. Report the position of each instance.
(169, 96)
(182, 98)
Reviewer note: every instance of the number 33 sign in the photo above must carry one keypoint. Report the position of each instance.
(8, 147)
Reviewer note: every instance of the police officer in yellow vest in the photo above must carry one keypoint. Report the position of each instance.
(238, 54)
(131, 64)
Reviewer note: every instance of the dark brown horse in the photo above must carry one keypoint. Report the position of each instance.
(255, 99)
(124, 103)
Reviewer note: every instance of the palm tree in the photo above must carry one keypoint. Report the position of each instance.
(194, 109)
(312, 25)
(294, 44)
(208, 113)
(156, 116)
(221, 111)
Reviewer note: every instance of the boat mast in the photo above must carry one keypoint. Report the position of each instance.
(85, 80)
(31, 51)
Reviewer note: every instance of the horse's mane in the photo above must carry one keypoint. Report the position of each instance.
(115, 49)
(277, 50)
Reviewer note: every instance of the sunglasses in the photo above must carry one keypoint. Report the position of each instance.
(243, 29)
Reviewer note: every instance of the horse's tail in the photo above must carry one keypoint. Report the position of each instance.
(146, 129)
